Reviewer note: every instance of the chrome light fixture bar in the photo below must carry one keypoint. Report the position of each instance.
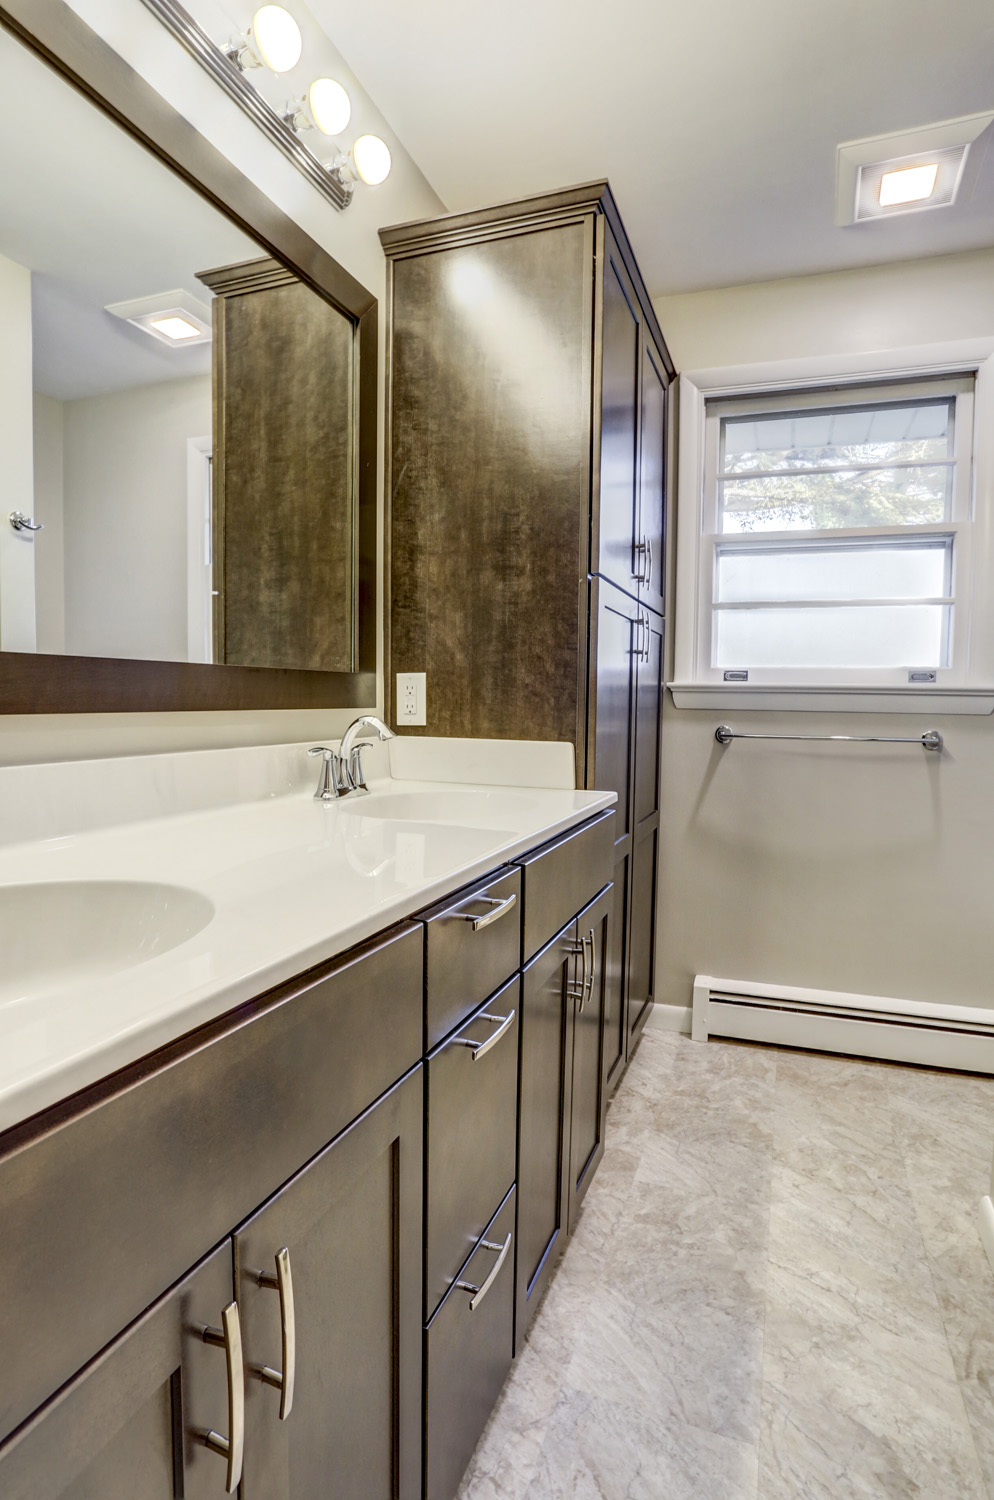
(332, 181)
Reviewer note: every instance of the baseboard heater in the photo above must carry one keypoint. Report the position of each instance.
(910, 1031)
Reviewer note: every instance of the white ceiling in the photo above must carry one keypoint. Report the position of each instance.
(716, 121)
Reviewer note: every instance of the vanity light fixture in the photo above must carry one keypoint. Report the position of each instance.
(326, 107)
(273, 40)
(173, 318)
(372, 159)
(269, 41)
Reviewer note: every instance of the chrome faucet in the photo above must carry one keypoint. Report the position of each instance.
(341, 771)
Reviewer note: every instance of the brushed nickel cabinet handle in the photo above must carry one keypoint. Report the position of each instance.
(283, 1380)
(593, 961)
(480, 1049)
(648, 560)
(501, 906)
(638, 550)
(229, 1338)
(638, 647)
(479, 1292)
(573, 989)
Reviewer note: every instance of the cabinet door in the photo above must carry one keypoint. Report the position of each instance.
(648, 707)
(616, 519)
(547, 990)
(615, 962)
(615, 631)
(588, 1102)
(351, 1222)
(642, 937)
(132, 1425)
(652, 480)
(642, 927)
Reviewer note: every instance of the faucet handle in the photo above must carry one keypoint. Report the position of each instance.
(330, 782)
(355, 767)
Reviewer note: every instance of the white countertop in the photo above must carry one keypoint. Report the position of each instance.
(291, 882)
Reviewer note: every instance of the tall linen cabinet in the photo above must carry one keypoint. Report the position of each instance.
(527, 395)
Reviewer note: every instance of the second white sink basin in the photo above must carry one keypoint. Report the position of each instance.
(61, 933)
(481, 809)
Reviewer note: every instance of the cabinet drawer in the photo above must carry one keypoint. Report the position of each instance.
(564, 876)
(144, 1180)
(468, 1356)
(473, 944)
(472, 1107)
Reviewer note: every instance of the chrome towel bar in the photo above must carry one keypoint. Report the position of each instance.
(930, 740)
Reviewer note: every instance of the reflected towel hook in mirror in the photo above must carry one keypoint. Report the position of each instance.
(21, 522)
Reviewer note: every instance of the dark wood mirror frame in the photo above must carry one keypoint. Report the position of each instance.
(51, 684)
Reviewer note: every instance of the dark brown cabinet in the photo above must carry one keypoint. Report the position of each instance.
(468, 1351)
(527, 426)
(563, 1098)
(132, 1424)
(350, 1226)
(176, 1154)
(370, 1226)
(626, 697)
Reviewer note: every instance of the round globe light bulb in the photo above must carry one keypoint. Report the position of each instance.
(329, 105)
(276, 37)
(372, 159)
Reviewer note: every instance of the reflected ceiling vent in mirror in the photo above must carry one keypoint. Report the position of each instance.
(910, 170)
(274, 41)
(174, 318)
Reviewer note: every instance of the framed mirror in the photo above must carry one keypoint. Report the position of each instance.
(188, 423)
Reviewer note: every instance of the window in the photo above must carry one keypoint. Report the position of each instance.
(835, 536)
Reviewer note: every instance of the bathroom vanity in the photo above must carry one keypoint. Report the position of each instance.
(296, 1244)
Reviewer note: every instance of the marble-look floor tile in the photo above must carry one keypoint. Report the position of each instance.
(598, 1450)
(776, 1291)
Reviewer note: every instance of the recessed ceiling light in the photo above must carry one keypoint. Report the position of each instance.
(907, 185)
(873, 176)
(174, 318)
(176, 327)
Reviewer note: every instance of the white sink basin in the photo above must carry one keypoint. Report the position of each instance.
(481, 809)
(57, 934)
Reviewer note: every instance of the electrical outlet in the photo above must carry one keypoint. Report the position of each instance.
(412, 698)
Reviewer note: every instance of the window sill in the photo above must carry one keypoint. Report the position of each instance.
(896, 700)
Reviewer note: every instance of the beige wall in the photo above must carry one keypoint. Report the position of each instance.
(831, 866)
(17, 549)
(350, 236)
(125, 518)
(50, 591)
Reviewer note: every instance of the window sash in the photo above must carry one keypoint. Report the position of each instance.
(956, 527)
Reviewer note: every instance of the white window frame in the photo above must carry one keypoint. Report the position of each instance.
(967, 684)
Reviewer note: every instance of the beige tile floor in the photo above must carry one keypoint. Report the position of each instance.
(776, 1292)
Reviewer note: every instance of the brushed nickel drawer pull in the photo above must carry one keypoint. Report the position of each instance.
(501, 906)
(579, 991)
(479, 1292)
(283, 1380)
(229, 1338)
(480, 1049)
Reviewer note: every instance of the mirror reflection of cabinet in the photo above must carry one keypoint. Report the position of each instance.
(283, 555)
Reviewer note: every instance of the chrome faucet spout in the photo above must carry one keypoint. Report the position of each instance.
(342, 773)
(367, 721)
